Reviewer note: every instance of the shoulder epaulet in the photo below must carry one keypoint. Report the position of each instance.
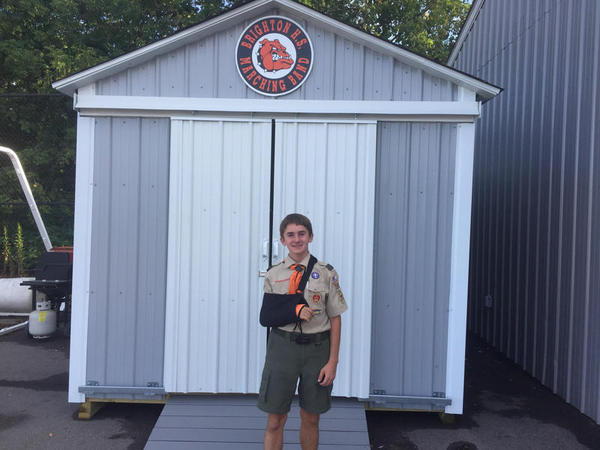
(275, 265)
(327, 266)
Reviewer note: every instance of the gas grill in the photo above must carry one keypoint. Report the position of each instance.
(53, 275)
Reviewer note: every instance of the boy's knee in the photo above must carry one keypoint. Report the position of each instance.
(309, 418)
(275, 422)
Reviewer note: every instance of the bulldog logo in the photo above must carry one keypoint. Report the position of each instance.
(274, 56)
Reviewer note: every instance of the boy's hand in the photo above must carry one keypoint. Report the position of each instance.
(327, 374)
(306, 314)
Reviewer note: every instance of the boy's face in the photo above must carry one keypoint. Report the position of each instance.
(296, 238)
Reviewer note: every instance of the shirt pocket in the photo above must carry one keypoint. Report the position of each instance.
(316, 297)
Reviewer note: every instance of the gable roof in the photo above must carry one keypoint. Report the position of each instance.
(69, 85)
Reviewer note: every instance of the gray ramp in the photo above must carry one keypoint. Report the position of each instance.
(234, 422)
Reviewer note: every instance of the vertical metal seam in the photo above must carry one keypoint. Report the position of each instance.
(138, 246)
(574, 217)
(589, 228)
(220, 227)
(110, 152)
(561, 207)
(409, 151)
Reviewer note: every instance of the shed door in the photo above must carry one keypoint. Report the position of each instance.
(218, 225)
(220, 178)
(326, 170)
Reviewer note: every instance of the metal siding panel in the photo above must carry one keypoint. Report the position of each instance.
(143, 79)
(202, 74)
(379, 72)
(349, 73)
(591, 359)
(401, 89)
(537, 134)
(435, 89)
(540, 144)
(151, 259)
(219, 180)
(229, 84)
(447, 155)
(341, 157)
(99, 260)
(115, 85)
(172, 74)
(415, 182)
(529, 300)
(419, 288)
(391, 224)
(122, 290)
(127, 284)
(321, 84)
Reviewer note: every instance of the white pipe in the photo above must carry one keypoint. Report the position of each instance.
(16, 327)
(28, 195)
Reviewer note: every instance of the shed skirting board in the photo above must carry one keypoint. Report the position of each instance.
(467, 111)
(82, 240)
(459, 267)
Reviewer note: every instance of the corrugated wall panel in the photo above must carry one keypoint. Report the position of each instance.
(342, 70)
(536, 196)
(219, 189)
(128, 254)
(326, 170)
(414, 198)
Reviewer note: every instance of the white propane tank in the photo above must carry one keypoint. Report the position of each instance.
(42, 321)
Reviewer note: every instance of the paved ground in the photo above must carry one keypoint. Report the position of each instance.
(504, 409)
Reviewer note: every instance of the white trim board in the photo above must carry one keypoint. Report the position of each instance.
(459, 267)
(93, 104)
(70, 84)
(82, 241)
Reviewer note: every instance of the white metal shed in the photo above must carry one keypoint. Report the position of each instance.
(184, 167)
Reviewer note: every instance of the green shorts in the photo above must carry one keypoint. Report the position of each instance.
(286, 361)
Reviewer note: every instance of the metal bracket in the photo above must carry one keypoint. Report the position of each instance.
(151, 390)
(436, 401)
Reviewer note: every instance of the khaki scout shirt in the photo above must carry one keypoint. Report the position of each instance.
(322, 293)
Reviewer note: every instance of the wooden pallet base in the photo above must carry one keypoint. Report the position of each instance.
(91, 406)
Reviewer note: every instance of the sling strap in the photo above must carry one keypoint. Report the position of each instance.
(311, 263)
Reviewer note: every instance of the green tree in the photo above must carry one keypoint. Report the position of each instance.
(427, 27)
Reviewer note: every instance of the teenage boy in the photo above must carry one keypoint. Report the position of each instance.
(313, 358)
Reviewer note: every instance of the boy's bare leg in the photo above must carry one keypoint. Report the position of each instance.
(309, 430)
(274, 431)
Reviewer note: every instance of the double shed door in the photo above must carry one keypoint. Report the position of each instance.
(222, 184)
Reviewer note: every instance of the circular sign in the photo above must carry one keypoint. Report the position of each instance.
(274, 56)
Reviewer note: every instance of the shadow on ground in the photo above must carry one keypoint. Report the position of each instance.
(504, 408)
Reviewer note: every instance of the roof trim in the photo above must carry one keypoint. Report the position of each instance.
(465, 30)
(69, 85)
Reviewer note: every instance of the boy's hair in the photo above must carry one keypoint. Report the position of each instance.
(296, 219)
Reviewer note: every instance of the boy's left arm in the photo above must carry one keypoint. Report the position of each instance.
(327, 374)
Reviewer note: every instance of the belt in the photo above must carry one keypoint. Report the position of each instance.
(307, 338)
